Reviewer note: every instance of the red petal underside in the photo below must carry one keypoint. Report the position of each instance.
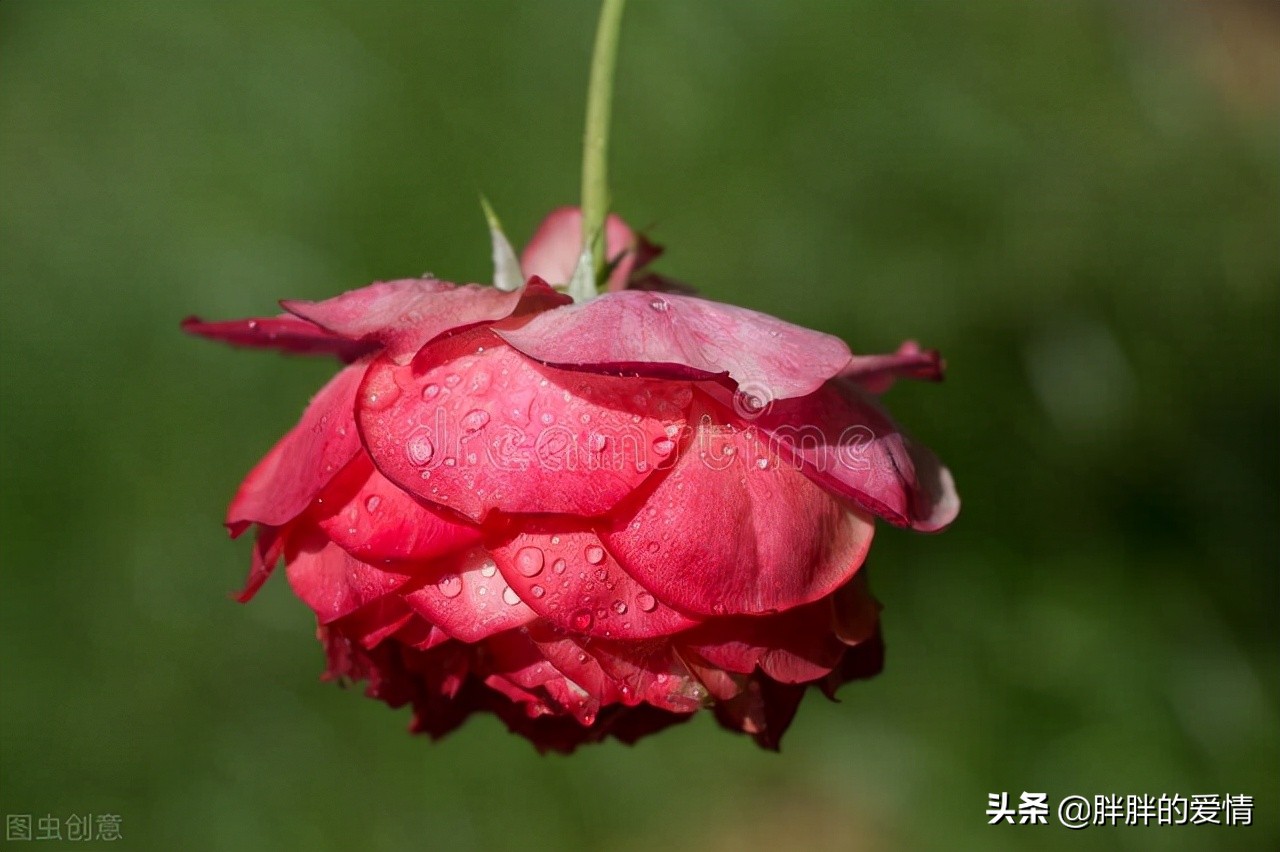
(474, 426)
(877, 373)
(297, 468)
(286, 333)
(721, 535)
(566, 575)
(796, 646)
(468, 599)
(845, 442)
(672, 336)
(268, 547)
(375, 521)
(331, 581)
(405, 315)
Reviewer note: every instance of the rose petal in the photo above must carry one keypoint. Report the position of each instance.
(331, 581)
(373, 520)
(405, 315)
(722, 534)
(848, 444)
(554, 249)
(268, 547)
(297, 468)
(569, 578)
(797, 646)
(468, 598)
(287, 333)
(676, 336)
(877, 373)
(473, 425)
(763, 710)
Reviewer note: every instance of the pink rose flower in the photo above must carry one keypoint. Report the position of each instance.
(589, 519)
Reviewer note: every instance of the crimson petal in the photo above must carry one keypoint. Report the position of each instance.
(286, 333)
(303, 462)
(475, 426)
(848, 444)
(405, 315)
(730, 530)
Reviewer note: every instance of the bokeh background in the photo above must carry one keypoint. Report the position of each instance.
(1076, 202)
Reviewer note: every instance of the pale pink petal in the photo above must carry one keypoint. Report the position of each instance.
(373, 520)
(475, 426)
(732, 530)
(287, 333)
(570, 579)
(405, 315)
(333, 582)
(468, 599)
(844, 441)
(555, 247)
(298, 468)
(674, 336)
(877, 373)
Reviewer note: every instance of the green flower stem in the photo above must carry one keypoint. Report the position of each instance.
(595, 139)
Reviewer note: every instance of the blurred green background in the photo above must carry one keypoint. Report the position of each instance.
(1076, 202)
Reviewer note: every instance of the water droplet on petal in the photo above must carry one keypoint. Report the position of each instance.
(509, 597)
(659, 304)
(663, 446)
(595, 554)
(582, 619)
(653, 547)
(430, 391)
(372, 503)
(529, 561)
(646, 602)
(451, 380)
(450, 585)
(474, 420)
(762, 463)
(420, 448)
(619, 607)
(537, 591)
(559, 565)
(547, 418)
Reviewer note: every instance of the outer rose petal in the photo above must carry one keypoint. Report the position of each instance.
(568, 577)
(268, 547)
(796, 646)
(763, 710)
(553, 251)
(473, 425)
(304, 461)
(468, 598)
(676, 336)
(846, 443)
(405, 315)
(331, 581)
(877, 373)
(721, 534)
(374, 520)
(284, 332)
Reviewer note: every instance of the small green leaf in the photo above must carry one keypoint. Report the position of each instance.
(506, 266)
